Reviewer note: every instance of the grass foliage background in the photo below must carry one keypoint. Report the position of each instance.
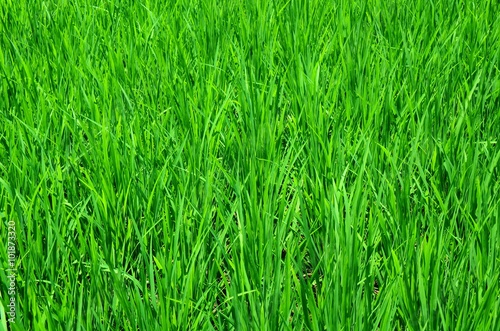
(248, 165)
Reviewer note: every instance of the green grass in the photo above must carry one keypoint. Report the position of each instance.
(251, 165)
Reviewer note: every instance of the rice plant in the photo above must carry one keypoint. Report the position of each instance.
(250, 165)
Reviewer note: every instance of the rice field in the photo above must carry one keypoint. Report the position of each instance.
(250, 165)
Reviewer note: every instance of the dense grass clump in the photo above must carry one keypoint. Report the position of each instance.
(251, 165)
